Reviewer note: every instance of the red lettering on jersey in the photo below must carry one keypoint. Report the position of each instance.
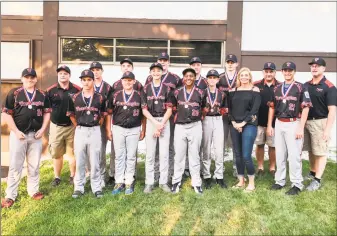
(136, 112)
(195, 112)
(291, 107)
(39, 112)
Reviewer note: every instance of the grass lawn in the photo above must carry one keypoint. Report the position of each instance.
(217, 211)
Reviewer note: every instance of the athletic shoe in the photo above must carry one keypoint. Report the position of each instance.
(129, 189)
(118, 189)
(197, 189)
(99, 194)
(56, 182)
(77, 194)
(208, 183)
(148, 188)
(165, 188)
(293, 191)
(175, 188)
(221, 182)
(314, 185)
(276, 187)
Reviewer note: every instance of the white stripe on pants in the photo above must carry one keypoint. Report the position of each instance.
(125, 143)
(151, 143)
(187, 135)
(212, 133)
(87, 145)
(19, 150)
(287, 146)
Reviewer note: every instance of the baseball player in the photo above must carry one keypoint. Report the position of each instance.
(227, 82)
(266, 86)
(189, 102)
(322, 115)
(212, 127)
(104, 89)
(126, 107)
(290, 105)
(26, 111)
(173, 81)
(126, 66)
(200, 81)
(158, 112)
(61, 132)
(87, 110)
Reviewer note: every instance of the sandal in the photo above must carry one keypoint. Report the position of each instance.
(249, 190)
(237, 186)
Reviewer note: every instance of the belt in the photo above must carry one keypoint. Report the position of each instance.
(316, 118)
(88, 125)
(287, 119)
(214, 115)
(63, 125)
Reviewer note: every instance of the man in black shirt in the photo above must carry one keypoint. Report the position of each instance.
(266, 86)
(189, 103)
(290, 105)
(321, 117)
(87, 110)
(27, 113)
(104, 89)
(61, 132)
(200, 81)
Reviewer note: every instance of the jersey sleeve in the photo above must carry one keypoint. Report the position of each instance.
(305, 100)
(331, 96)
(223, 104)
(203, 100)
(46, 106)
(8, 106)
(103, 108)
(71, 106)
(169, 98)
(143, 99)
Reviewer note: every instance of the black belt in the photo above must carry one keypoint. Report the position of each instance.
(63, 125)
(316, 118)
(87, 125)
(214, 115)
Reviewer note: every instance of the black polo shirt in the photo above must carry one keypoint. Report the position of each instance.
(170, 79)
(201, 83)
(87, 114)
(158, 99)
(119, 86)
(59, 101)
(226, 83)
(266, 93)
(127, 110)
(290, 103)
(188, 107)
(104, 89)
(322, 95)
(215, 103)
(27, 113)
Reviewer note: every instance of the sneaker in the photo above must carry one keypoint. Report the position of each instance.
(314, 185)
(71, 180)
(221, 182)
(208, 183)
(129, 189)
(309, 177)
(56, 182)
(38, 196)
(77, 194)
(118, 189)
(99, 194)
(7, 203)
(260, 173)
(148, 188)
(186, 173)
(197, 189)
(293, 191)
(165, 188)
(175, 188)
(110, 181)
(276, 187)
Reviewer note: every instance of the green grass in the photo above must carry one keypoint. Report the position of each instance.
(216, 212)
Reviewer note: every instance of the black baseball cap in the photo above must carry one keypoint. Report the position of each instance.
(96, 64)
(289, 65)
(189, 70)
(231, 57)
(28, 71)
(87, 73)
(269, 65)
(128, 60)
(163, 55)
(212, 73)
(63, 67)
(195, 60)
(128, 75)
(318, 60)
(156, 64)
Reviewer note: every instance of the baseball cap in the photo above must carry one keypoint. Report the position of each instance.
(128, 75)
(28, 71)
(318, 60)
(195, 60)
(231, 57)
(63, 67)
(96, 64)
(128, 60)
(189, 70)
(87, 73)
(212, 73)
(269, 65)
(163, 55)
(156, 64)
(289, 65)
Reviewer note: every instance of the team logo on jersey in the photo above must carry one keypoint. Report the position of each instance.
(39, 112)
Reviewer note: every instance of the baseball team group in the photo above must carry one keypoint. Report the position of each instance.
(186, 122)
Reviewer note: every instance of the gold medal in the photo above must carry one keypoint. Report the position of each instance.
(186, 106)
(30, 106)
(284, 101)
(212, 110)
(88, 112)
(155, 102)
(125, 107)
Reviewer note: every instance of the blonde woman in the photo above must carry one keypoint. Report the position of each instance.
(243, 103)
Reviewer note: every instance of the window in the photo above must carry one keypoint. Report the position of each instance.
(15, 56)
(139, 50)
